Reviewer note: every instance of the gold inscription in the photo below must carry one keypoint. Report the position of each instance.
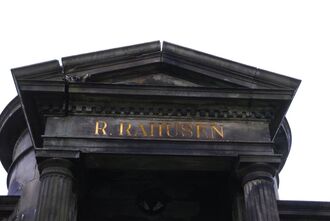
(123, 131)
(171, 131)
(160, 129)
(151, 129)
(186, 130)
(217, 130)
(140, 129)
(100, 125)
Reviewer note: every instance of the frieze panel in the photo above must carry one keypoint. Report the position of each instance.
(152, 128)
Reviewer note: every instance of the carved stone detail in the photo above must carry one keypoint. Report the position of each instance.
(75, 78)
(120, 110)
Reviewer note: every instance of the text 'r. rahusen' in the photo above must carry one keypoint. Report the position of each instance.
(160, 130)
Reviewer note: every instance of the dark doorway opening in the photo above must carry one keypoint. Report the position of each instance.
(155, 195)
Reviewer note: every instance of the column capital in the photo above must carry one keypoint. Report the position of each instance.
(44, 154)
(56, 166)
(56, 161)
(257, 167)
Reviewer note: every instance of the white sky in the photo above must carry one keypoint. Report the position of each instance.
(288, 37)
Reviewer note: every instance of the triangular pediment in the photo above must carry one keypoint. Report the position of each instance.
(171, 65)
(156, 75)
(150, 64)
(157, 79)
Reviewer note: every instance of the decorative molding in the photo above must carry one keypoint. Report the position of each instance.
(160, 111)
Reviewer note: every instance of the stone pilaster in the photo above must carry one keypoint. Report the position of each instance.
(257, 179)
(56, 201)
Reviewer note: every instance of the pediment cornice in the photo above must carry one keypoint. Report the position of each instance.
(135, 62)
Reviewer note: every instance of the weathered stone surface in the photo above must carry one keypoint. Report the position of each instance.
(155, 133)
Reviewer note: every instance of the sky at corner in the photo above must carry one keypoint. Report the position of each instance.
(287, 37)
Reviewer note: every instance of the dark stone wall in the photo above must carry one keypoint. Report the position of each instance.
(24, 167)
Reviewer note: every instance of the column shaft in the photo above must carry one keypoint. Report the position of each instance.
(260, 201)
(56, 200)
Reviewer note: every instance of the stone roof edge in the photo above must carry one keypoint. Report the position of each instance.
(92, 60)
(71, 63)
(236, 67)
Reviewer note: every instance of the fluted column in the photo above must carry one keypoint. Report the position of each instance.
(259, 194)
(56, 201)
